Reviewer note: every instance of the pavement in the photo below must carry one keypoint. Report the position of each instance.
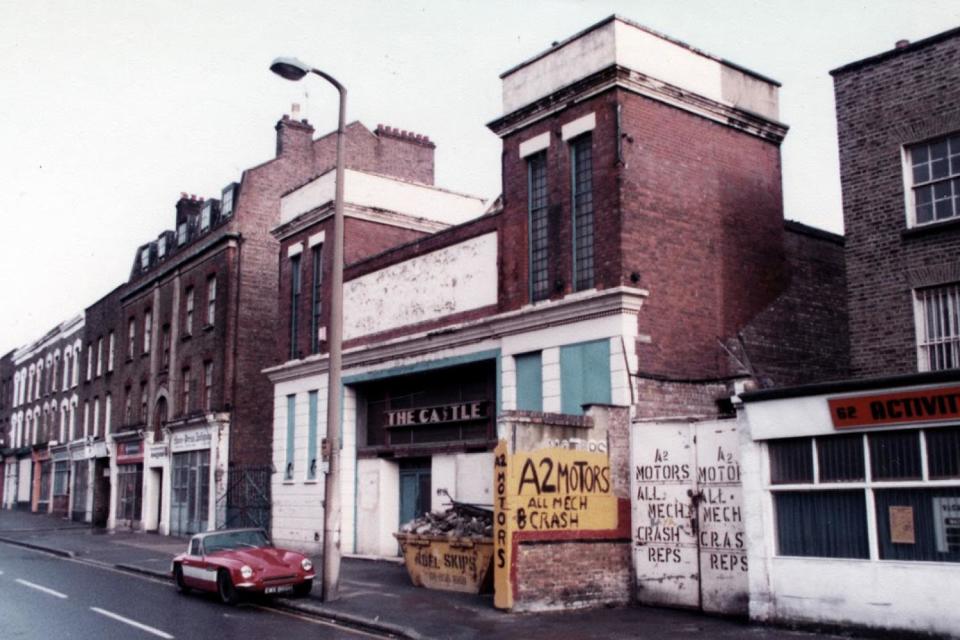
(377, 595)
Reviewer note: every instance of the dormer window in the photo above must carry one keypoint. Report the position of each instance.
(205, 215)
(161, 246)
(226, 201)
(145, 258)
(182, 234)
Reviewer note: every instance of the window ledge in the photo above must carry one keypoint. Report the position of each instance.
(185, 337)
(930, 228)
(208, 327)
(309, 481)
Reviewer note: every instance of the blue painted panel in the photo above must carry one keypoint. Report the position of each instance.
(291, 429)
(312, 462)
(529, 381)
(584, 375)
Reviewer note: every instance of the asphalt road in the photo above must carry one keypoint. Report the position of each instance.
(43, 596)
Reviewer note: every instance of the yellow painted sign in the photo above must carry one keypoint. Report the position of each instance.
(546, 494)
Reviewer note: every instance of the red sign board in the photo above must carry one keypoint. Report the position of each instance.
(905, 407)
(130, 452)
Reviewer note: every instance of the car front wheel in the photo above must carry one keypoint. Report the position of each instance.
(303, 589)
(225, 588)
(178, 579)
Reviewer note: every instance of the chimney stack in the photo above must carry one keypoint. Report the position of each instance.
(901, 44)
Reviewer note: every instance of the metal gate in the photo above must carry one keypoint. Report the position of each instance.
(247, 497)
(688, 534)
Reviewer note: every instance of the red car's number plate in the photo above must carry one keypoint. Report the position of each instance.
(284, 588)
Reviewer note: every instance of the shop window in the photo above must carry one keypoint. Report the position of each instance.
(584, 375)
(914, 520)
(129, 489)
(841, 458)
(529, 381)
(919, 524)
(943, 453)
(791, 461)
(895, 455)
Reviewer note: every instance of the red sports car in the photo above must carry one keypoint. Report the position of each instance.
(236, 561)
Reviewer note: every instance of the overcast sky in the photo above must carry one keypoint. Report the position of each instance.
(111, 109)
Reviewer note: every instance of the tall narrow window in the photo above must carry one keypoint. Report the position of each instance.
(539, 245)
(208, 386)
(211, 299)
(188, 312)
(86, 418)
(111, 350)
(143, 402)
(99, 356)
(95, 430)
(165, 347)
(294, 303)
(89, 362)
(316, 255)
(312, 435)
(291, 432)
(185, 390)
(147, 330)
(131, 337)
(127, 405)
(582, 162)
(107, 413)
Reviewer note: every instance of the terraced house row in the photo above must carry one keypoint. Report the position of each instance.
(630, 285)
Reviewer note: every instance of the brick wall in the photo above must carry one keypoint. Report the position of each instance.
(691, 211)
(899, 98)
(659, 398)
(568, 575)
(802, 336)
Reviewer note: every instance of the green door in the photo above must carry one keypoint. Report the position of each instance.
(414, 490)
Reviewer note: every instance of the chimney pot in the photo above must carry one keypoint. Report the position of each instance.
(902, 43)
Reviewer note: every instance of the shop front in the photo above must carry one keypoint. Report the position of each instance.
(60, 490)
(128, 483)
(188, 471)
(420, 436)
(852, 503)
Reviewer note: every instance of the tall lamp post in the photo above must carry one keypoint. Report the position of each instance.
(293, 69)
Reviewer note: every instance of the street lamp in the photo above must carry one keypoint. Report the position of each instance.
(293, 69)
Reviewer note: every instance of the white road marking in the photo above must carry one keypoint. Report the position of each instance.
(43, 589)
(132, 623)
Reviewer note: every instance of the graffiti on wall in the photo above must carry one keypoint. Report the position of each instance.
(688, 533)
(547, 492)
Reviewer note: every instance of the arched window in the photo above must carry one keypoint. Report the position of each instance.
(53, 374)
(38, 382)
(74, 418)
(64, 409)
(160, 415)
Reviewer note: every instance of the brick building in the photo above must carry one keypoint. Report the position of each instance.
(159, 423)
(852, 487)
(637, 265)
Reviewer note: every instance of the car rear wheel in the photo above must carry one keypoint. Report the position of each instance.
(303, 589)
(178, 579)
(225, 588)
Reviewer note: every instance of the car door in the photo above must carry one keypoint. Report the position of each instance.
(196, 572)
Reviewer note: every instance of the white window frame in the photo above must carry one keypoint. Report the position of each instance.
(147, 330)
(111, 351)
(908, 184)
(923, 341)
(211, 299)
(99, 356)
(869, 485)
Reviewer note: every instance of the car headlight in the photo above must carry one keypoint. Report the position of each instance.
(306, 565)
(246, 572)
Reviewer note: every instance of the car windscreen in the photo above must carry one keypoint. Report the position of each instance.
(234, 540)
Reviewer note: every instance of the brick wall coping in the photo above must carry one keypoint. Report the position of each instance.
(892, 53)
(859, 384)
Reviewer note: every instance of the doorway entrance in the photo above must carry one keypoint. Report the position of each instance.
(414, 489)
(190, 493)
